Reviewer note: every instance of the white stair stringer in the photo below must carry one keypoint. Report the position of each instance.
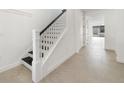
(55, 45)
(44, 45)
(50, 54)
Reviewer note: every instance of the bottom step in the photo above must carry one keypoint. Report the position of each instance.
(27, 65)
(27, 62)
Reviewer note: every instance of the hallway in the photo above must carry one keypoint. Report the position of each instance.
(91, 64)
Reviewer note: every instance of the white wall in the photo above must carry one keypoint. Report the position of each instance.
(16, 29)
(120, 35)
(78, 23)
(115, 32)
(110, 29)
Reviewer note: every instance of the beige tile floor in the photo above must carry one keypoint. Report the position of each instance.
(92, 64)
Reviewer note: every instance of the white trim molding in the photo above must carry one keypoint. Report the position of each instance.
(120, 59)
(10, 66)
(16, 11)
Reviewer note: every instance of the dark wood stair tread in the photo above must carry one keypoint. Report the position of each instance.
(28, 60)
(31, 52)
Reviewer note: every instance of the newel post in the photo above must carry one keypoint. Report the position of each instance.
(36, 64)
(36, 45)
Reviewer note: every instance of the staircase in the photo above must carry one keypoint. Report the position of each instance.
(44, 43)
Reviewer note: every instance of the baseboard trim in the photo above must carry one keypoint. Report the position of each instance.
(110, 50)
(8, 67)
(120, 59)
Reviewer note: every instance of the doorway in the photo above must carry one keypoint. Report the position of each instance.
(94, 26)
(98, 36)
(98, 31)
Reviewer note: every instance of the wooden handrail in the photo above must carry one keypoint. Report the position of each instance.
(63, 11)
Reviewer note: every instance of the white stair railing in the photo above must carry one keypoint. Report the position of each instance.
(44, 44)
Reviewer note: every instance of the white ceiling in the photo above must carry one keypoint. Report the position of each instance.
(95, 15)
